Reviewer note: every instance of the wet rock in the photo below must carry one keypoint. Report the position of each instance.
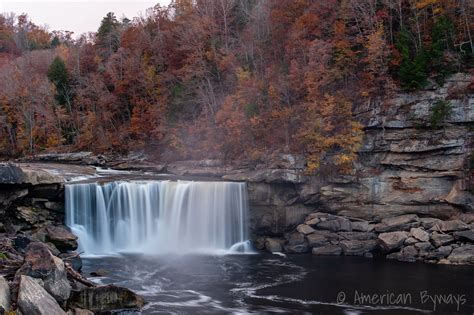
(40, 263)
(28, 214)
(105, 299)
(5, 297)
(99, 273)
(305, 229)
(61, 237)
(316, 240)
(453, 225)
(462, 255)
(467, 236)
(392, 240)
(439, 239)
(420, 234)
(424, 248)
(400, 223)
(327, 250)
(34, 300)
(440, 253)
(273, 245)
(407, 254)
(357, 248)
(297, 249)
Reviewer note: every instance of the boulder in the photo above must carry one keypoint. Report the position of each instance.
(5, 296)
(61, 237)
(420, 234)
(73, 258)
(105, 299)
(316, 240)
(305, 229)
(273, 245)
(440, 253)
(34, 300)
(335, 224)
(407, 254)
(392, 240)
(453, 225)
(439, 239)
(40, 263)
(362, 226)
(400, 223)
(327, 250)
(462, 255)
(410, 241)
(424, 249)
(295, 238)
(428, 223)
(297, 249)
(467, 236)
(313, 221)
(360, 236)
(357, 248)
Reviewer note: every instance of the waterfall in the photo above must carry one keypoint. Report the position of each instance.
(154, 217)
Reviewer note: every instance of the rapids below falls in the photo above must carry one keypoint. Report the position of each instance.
(184, 246)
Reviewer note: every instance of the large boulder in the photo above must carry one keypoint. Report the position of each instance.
(400, 223)
(420, 234)
(327, 250)
(273, 245)
(462, 255)
(34, 300)
(392, 240)
(357, 248)
(439, 239)
(4, 295)
(40, 263)
(61, 237)
(105, 299)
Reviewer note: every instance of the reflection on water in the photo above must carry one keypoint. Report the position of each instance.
(255, 284)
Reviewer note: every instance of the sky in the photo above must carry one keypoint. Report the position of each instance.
(79, 16)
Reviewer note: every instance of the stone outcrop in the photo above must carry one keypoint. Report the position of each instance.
(106, 298)
(34, 300)
(5, 297)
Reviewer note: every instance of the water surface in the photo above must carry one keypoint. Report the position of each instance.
(265, 283)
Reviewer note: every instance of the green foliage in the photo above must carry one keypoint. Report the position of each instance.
(442, 38)
(58, 74)
(412, 72)
(417, 63)
(3, 256)
(107, 34)
(440, 111)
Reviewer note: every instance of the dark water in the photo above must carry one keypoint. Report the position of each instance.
(265, 283)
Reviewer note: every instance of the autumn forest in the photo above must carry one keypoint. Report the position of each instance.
(227, 79)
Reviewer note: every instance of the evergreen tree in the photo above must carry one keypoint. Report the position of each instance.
(58, 74)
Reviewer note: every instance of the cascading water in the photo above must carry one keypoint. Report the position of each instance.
(155, 217)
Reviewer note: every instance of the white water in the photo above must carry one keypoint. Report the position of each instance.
(154, 217)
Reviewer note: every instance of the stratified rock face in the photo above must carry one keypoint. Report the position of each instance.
(4, 295)
(12, 174)
(34, 300)
(40, 263)
(106, 298)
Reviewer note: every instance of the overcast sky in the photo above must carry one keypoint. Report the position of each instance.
(79, 16)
